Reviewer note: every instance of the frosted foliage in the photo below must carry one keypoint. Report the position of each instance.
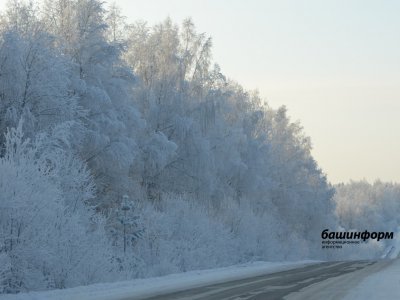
(374, 207)
(42, 245)
(124, 153)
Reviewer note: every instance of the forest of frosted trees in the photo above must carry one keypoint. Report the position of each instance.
(125, 152)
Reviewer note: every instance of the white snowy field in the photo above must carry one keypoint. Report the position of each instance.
(140, 288)
(382, 285)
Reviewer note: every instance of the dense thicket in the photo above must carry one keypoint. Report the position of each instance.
(125, 152)
(363, 206)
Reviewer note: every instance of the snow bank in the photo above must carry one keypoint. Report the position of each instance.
(140, 288)
(381, 285)
(384, 284)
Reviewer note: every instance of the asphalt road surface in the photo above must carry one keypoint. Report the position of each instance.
(329, 280)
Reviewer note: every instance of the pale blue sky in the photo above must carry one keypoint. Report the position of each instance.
(334, 64)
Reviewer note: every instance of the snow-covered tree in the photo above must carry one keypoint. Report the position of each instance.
(125, 153)
(44, 242)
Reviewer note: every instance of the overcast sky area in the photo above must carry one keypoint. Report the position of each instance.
(334, 64)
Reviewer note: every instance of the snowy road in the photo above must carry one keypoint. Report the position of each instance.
(329, 280)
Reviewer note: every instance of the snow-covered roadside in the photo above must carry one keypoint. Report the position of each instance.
(139, 288)
(382, 285)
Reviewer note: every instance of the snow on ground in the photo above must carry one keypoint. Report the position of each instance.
(140, 288)
(382, 285)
